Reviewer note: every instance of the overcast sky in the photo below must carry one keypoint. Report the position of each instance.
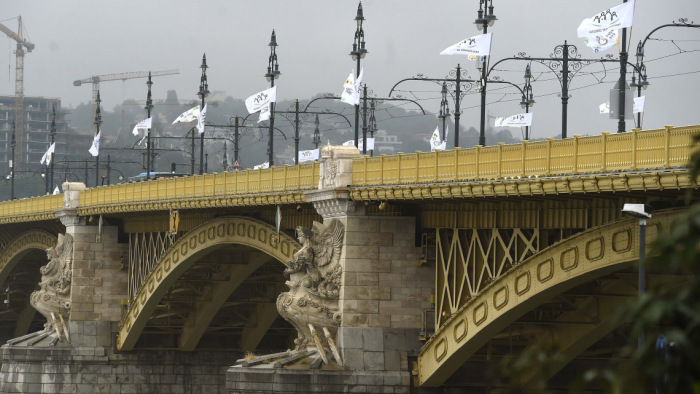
(76, 39)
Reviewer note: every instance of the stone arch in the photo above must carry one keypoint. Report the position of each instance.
(565, 265)
(16, 249)
(186, 251)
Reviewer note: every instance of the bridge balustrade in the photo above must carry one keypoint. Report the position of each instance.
(636, 150)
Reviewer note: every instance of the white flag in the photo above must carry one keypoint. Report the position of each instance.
(349, 96)
(47, 156)
(56, 191)
(262, 166)
(447, 131)
(435, 142)
(473, 47)
(95, 148)
(519, 120)
(600, 31)
(202, 119)
(370, 143)
(639, 104)
(265, 113)
(259, 100)
(188, 116)
(142, 125)
(309, 155)
(144, 138)
(604, 108)
(358, 83)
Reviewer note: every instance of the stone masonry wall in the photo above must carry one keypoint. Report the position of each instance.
(384, 293)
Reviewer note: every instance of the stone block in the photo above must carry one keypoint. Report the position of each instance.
(367, 306)
(366, 224)
(367, 239)
(354, 358)
(373, 361)
(362, 251)
(379, 320)
(351, 338)
(367, 278)
(373, 339)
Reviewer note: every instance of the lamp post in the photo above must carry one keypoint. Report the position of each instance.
(13, 144)
(622, 81)
(639, 74)
(225, 161)
(527, 99)
(148, 107)
(372, 123)
(192, 146)
(358, 53)
(52, 133)
(203, 93)
(98, 122)
(485, 18)
(273, 73)
(317, 134)
(444, 110)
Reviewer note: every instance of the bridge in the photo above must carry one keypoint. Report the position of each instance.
(451, 259)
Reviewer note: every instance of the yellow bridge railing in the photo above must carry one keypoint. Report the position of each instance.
(271, 180)
(637, 150)
(30, 209)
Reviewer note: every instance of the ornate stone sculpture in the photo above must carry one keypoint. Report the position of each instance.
(314, 282)
(54, 295)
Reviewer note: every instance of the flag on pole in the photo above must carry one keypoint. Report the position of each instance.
(435, 143)
(309, 155)
(351, 89)
(47, 156)
(600, 31)
(265, 112)
(257, 101)
(142, 125)
(473, 47)
(95, 148)
(447, 131)
(188, 116)
(56, 191)
(201, 119)
(604, 108)
(639, 104)
(370, 143)
(144, 138)
(519, 120)
(262, 166)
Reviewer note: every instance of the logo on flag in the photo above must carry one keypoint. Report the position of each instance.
(95, 148)
(260, 102)
(435, 143)
(142, 125)
(519, 120)
(370, 143)
(351, 89)
(600, 32)
(47, 156)
(188, 116)
(309, 155)
(473, 47)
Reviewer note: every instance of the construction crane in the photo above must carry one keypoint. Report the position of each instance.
(96, 79)
(19, 82)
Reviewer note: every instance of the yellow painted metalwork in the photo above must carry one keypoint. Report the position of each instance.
(564, 265)
(185, 252)
(22, 244)
(30, 209)
(636, 150)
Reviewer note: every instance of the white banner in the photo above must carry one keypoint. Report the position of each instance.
(259, 100)
(56, 191)
(604, 108)
(47, 156)
(370, 143)
(639, 104)
(202, 119)
(143, 125)
(351, 89)
(95, 148)
(187, 116)
(474, 47)
(262, 166)
(600, 31)
(435, 140)
(309, 155)
(519, 120)
(265, 112)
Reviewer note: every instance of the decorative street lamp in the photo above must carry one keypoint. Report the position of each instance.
(444, 110)
(527, 99)
(98, 122)
(358, 53)
(273, 73)
(52, 133)
(372, 123)
(148, 107)
(317, 133)
(483, 21)
(203, 93)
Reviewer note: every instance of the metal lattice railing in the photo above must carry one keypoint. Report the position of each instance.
(637, 150)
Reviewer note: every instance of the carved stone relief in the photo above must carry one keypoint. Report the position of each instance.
(56, 275)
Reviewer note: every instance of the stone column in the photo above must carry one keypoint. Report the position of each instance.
(384, 290)
(99, 281)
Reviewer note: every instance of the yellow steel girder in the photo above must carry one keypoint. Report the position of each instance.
(186, 251)
(576, 260)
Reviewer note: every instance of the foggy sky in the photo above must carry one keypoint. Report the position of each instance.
(76, 39)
